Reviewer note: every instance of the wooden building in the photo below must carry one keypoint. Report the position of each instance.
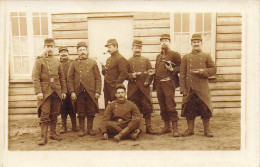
(222, 38)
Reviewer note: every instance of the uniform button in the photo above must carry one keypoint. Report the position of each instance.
(79, 71)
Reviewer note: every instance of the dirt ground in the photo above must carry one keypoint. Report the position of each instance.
(24, 135)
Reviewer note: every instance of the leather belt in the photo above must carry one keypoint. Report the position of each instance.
(165, 79)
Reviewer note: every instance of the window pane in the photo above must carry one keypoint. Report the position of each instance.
(206, 43)
(15, 27)
(36, 26)
(38, 45)
(185, 22)
(24, 46)
(25, 65)
(44, 25)
(199, 22)
(16, 46)
(44, 14)
(35, 13)
(23, 26)
(177, 43)
(14, 14)
(177, 22)
(17, 64)
(207, 22)
(185, 44)
(21, 13)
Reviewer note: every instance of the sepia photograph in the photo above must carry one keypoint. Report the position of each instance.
(112, 83)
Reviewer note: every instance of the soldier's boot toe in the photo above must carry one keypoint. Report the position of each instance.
(188, 132)
(91, 132)
(64, 125)
(206, 128)
(81, 127)
(44, 129)
(75, 128)
(63, 130)
(42, 142)
(165, 130)
(81, 133)
(150, 131)
(117, 138)
(134, 135)
(175, 129)
(54, 136)
(208, 134)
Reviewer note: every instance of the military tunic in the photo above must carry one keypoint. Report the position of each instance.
(137, 92)
(115, 72)
(196, 83)
(48, 78)
(119, 115)
(166, 82)
(85, 80)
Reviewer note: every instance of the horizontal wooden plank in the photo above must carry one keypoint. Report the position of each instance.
(18, 111)
(70, 34)
(151, 32)
(155, 40)
(228, 46)
(20, 80)
(229, 37)
(70, 26)
(229, 78)
(228, 14)
(229, 70)
(22, 104)
(69, 42)
(229, 21)
(229, 29)
(152, 23)
(22, 98)
(228, 62)
(228, 54)
(150, 56)
(22, 85)
(227, 110)
(69, 18)
(21, 91)
(225, 86)
(151, 15)
(151, 48)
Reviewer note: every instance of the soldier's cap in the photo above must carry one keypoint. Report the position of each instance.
(111, 42)
(49, 41)
(63, 48)
(137, 43)
(120, 86)
(165, 36)
(82, 44)
(196, 37)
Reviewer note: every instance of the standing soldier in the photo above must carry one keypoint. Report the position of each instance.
(84, 84)
(166, 81)
(67, 108)
(139, 81)
(115, 71)
(50, 88)
(195, 69)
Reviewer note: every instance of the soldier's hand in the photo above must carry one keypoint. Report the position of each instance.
(63, 95)
(97, 95)
(197, 71)
(40, 96)
(146, 84)
(151, 72)
(134, 75)
(169, 67)
(184, 93)
(105, 135)
(73, 96)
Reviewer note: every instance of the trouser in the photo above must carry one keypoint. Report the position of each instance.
(114, 127)
(166, 94)
(142, 102)
(109, 93)
(85, 106)
(66, 108)
(50, 109)
(195, 107)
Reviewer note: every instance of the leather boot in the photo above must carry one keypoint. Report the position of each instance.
(63, 124)
(53, 134)
(175, 129)
(74, 127)
(206, 128)
(44, 129)
(135, 134)
(149, 129)
(121, 134)
(81, 127)
(166, 128)
(190, 130)
(90, 126)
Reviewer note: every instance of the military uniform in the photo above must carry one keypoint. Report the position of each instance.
(121, 116)
(48, 79)
(138, 88)
(165, 84)
(197, 102)
(115, 72)
(67, 108)
(84, 80)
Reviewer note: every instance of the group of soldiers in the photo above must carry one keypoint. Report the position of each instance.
(70, 87)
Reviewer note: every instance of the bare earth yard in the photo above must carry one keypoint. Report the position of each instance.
(24, 135)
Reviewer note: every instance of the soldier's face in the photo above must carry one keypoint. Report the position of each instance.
(64, 53)
(196, 44)
(137, 49)
(165, 43)
(49, 49)
(120, 94)
(82, 51)
(111, 49)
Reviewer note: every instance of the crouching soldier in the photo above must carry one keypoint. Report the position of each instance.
(50, 88)
(66, 108)
(121, 118)
(195, 69)
(84, 84)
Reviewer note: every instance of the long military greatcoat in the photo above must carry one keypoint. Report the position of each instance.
(44, 69)
(197, 82)
(85, 72)
(139, 64)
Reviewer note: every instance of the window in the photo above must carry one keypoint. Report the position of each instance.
(183, 25)
(27, 35)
